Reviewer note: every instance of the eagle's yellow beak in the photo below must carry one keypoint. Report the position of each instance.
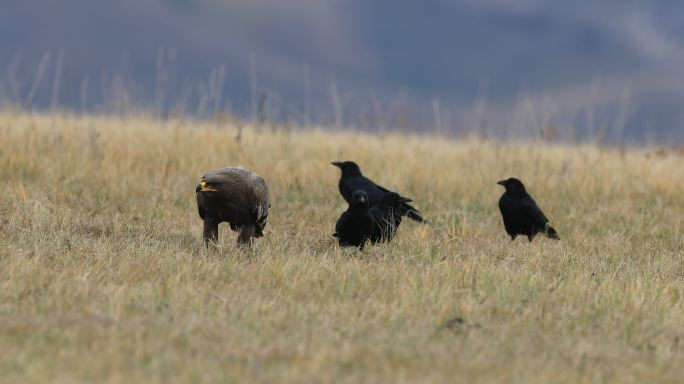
(205, 188)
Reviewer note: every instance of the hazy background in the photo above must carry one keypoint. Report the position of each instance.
(612, 70)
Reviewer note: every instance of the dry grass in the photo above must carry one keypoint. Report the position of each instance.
(103, 276)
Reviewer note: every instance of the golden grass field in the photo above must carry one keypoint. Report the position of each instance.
(104, 277)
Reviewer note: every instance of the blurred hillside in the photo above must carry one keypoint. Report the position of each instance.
(507, 68)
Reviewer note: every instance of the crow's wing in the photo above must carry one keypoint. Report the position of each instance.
(349, 185)
(383, 189)
(376, 212)
(375, 193)
(531, 210)
(341, 223)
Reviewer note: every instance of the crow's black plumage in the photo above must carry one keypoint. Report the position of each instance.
(352, 179)
(521, 215)
(355, 225)
(386, 217)
(236, 196)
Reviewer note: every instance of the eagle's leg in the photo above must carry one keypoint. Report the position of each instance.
(247, 232)
(210, 232)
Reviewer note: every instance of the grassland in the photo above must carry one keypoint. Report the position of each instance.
(104, 278)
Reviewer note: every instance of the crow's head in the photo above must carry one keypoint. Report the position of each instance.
(349, 168)
(360, 198)
(512, 185)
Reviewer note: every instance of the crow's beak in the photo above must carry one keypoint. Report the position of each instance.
(203, 187)
(501, 182)
(405, 200)
(337, 164)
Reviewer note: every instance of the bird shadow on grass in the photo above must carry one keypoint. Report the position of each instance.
(233, 251)
(374, 254)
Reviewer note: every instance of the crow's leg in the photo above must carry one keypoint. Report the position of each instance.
(363, 243)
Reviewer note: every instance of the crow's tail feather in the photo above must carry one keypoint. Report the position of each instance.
(411, 213)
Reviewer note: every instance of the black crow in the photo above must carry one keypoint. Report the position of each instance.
(521, 215)
(352, 179)
(386, 217)
(355, 225)
(236, 196)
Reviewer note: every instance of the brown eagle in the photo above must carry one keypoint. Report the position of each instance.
(236, 196)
